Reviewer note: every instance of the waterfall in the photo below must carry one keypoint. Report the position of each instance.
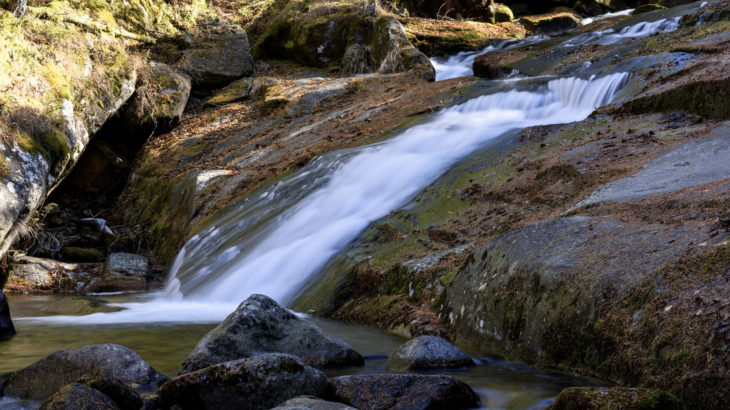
(334, 199)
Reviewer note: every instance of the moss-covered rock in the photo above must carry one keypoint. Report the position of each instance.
(347, 39)
(43, 378)
(615, 398)
(503, 14)
(645, 8)
(551, 23)
(159, 101)
(76, 254)
(77, 396)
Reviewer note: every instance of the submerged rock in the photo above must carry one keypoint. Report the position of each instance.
(218, 57)
(79, 397)
(44, 377)
(260, 325)
(6, 324)
(401, 391)
(313, 403)
(427, 352)
(605, 398)
(259, 382)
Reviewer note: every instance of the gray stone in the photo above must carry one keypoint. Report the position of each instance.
(44, 377)
(126, 264)
(259, 382)
(79, 397)
(311, 403)
(427, 352)
(260, 325)
(6, 324)
(404, 391)
(219, 56)
(395, 53)
(693, 163)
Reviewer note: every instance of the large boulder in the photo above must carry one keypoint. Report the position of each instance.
(79, 397)
(404, 391)
(159, 101)
(347, 40)
(6, 324)
(311, 403)
(260, 325)
(427, 352)
(259, 382)
(44, 377)
(605, 398)
(218, 57)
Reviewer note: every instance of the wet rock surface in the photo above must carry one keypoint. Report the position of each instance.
(428, 352)
(260, 325)
(260, 382)
(44, 377)
(313, 403)
(404, 392)
(79, 397)
(6, 323)
(615, 397)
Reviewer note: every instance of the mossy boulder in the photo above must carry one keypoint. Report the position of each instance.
(77, 306)
(615, 398)
(79, 397)
(503, 14)
(43, 378)
(645, 8)
(262, 325)
(76, 254)
(159, 100)
(551, 23)
(350, 41)
(259, 382)
(219, 56)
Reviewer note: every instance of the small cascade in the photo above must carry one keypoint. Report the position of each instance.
(611, 36)
(460, 65)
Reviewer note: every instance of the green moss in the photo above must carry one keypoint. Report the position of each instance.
(75, 254)
(503, 14)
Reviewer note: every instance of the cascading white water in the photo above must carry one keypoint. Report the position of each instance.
(611, 36)
(347, 191)
(460, 65)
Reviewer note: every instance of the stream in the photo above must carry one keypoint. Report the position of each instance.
(277, 240)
